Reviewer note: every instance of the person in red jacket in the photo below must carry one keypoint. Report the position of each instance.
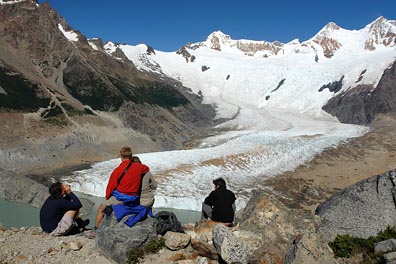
(124, 183)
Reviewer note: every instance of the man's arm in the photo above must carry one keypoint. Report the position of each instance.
(210, 199)
(153, 182)
(144, 169)
(73, 203)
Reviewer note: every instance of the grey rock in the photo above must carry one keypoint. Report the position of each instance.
(115, 239)
(15, 187)
(385, 246)
(390, 257)
(176, 241)
(361, 210)
(229, 247)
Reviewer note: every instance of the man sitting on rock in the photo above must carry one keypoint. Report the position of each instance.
(123, 186)
(219, 206)
(147, 191)
(60, 210)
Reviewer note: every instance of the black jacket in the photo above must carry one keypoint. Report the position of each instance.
(221, 200)
(53, 210)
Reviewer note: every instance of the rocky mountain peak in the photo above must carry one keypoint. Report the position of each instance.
(382, 32)
(325, 39)
(218, 39)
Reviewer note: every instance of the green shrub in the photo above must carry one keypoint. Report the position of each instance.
(345, 246)
(153, 246)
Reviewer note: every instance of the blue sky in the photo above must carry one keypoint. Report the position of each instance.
(168, 25)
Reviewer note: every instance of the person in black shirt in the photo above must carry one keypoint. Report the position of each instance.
(219, 206)
(60, 210)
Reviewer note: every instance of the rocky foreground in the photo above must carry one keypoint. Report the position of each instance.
(283, 215)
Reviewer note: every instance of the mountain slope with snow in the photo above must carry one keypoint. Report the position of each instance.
(223, 74)
(273, 95)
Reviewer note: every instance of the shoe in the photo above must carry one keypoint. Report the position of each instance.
(82, 223)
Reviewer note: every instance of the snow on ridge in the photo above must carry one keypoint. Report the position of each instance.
(70, 35)
(5, 2)
(93, 45)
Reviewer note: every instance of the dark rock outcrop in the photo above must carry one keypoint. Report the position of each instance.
(361, 210)
(18, 188)
(363, 103)
(333, 87)
(115, 239)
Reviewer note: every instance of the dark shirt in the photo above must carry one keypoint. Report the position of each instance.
(221, 200)
(53, 210)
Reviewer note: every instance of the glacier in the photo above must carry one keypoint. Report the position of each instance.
(273, 104)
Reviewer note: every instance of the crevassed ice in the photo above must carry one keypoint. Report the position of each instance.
(244, 158)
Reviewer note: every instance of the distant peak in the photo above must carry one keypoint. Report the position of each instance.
(218, 39)
(380, 21)
(331, 26)
(220, 35)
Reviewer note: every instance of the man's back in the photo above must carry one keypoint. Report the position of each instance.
(130, 182)
(222, 201)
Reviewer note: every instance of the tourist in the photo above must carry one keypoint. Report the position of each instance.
(124, 184)
(60, 210)
(219, 206)
(149, 185)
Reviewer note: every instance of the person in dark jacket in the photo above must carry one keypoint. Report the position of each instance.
(60, 210)
(219, 206)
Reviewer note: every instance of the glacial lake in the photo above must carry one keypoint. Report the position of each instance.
(15, 214)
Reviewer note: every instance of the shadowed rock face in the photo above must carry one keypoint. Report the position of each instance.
(363, 103)
(361, 210)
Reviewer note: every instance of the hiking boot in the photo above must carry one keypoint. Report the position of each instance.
(82, 223)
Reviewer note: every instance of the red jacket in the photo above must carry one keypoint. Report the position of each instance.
(130, 183)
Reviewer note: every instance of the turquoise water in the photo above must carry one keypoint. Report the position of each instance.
(19, 215)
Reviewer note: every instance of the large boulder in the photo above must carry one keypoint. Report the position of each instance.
(18, 188)
(361, 210)
(229, 247)
(115, 239)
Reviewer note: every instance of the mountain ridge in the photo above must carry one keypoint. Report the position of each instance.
(72, 97)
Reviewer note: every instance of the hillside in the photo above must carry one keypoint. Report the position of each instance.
(64, 103)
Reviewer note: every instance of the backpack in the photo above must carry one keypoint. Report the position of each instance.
(167, 221)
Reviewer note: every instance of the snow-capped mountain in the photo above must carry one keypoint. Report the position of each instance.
(273, 94)
(267, 74)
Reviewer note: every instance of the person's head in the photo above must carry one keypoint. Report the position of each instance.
(136, 159)
(126, 153)
(56, 190)
(219, 183)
